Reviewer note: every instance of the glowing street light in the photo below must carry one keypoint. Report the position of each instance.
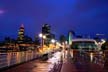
(53, 41)
(40, 35)
(43, 37)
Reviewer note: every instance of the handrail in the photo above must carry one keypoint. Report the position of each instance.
(12, 58)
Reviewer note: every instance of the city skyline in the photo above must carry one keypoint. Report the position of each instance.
(84, 17)
(21, 34)
(53, 36)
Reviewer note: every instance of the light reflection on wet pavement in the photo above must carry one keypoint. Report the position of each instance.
(37, 65)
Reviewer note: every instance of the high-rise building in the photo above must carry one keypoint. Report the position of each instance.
(46, 29)
(20, 38)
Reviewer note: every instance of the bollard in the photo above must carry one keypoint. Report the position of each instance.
(91, 57)
(72, 53)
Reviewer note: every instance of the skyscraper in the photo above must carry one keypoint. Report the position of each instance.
(46, 30)
(20, 38)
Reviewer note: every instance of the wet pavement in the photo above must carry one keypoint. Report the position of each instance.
(33, 66)
(36, 65)
(78, 64)
(71, 63)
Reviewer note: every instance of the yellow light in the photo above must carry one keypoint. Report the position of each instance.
(58, 44)
(44, 37)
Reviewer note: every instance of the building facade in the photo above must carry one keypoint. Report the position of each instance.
(21, 35)
(46, 30)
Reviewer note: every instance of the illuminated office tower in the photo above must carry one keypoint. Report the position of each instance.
(21, 34)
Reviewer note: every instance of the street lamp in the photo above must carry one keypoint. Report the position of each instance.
(53, 41)
(40, 35)
(43, 37)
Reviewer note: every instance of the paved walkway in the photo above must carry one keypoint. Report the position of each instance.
(36, 65)
(33, 66)
(79, 65)
(67, 65)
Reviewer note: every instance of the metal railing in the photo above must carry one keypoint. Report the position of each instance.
(12, 58)
(91, 57)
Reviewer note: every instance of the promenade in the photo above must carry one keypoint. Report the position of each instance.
(75, 63)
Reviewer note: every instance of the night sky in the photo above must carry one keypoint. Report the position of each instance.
(82, 16)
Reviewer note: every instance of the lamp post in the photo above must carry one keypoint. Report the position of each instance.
(53, 41)
(43, 37)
